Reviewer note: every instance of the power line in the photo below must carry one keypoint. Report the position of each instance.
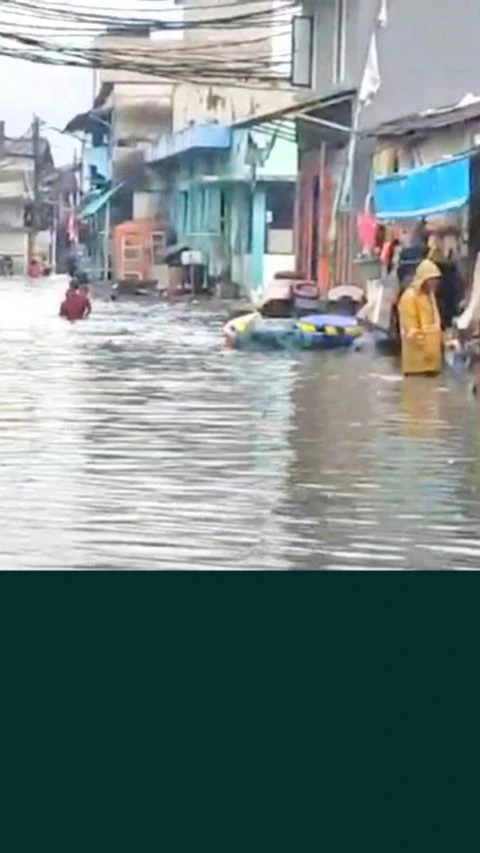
(243, 61)
(124, 22)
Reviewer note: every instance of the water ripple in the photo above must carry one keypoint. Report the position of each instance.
(134, 441)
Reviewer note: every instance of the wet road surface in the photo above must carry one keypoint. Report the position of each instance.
(135, 441)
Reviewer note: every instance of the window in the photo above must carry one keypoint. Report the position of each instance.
(158, 246)
(249, 227)
(339, 41)
(223, 212)
(280, 202)
(302, 50)
(203, 213)
(209, 201)
(183, 212)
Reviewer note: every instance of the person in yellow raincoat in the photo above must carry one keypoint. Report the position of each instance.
(420, 324)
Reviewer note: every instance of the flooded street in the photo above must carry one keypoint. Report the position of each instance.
(135, 441)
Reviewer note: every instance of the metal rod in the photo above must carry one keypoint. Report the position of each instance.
(53, 241)
(36, 207)
(106, 236)
(106, 242)
(325, 123)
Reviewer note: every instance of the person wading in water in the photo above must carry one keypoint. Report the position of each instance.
(420, 322)
(76, 304)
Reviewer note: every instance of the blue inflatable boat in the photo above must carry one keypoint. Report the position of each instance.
(313, 331)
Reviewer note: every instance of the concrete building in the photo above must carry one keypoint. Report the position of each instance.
(136, 115)
(427, 165)
(363, 63)
(228, 185)
(140, 105)
(128, 112)
(231, 196)
(425, 60)
(127, 115)
(17, 165)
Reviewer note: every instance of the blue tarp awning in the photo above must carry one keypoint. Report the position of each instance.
(426, 191)
(95, 201)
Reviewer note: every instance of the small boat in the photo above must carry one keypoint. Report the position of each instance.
(294, 315)
(312, 331)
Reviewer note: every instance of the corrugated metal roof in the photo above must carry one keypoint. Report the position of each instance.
(435, 119)
(23, 147)
(90, 121)
(101, 109)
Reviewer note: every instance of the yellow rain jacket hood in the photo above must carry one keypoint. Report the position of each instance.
(420, 326)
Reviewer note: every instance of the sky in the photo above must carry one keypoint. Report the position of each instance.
(56, 94)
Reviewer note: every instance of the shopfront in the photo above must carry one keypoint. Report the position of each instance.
(429, 204)
(323, 230)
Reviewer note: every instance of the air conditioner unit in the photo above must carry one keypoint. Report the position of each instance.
(191, 258)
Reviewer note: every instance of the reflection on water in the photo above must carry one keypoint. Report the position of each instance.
(134, 440)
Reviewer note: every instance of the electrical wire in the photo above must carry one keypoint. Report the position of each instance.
(175, 66)
(123, 21)
(247, 62)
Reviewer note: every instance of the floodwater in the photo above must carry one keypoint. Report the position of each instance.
(135, 441)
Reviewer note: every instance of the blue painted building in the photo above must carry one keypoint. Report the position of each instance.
(231, 196)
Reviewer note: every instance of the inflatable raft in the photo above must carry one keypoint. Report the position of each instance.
(313, 331)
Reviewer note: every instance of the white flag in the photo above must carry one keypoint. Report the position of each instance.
(371, 76)
(368, 89)
(383, 13)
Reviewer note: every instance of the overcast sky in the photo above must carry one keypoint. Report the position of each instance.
(56, 94)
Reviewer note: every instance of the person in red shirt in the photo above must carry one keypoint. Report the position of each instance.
(76, 304)
(34, 269)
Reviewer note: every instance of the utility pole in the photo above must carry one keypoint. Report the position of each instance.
(106, 238)
(53, 239)
(36, 207)
(106, 243)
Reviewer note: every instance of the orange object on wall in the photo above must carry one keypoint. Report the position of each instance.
(325, 264)
(366, 232)
(138, 246)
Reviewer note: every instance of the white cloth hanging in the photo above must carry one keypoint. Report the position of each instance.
(471, 314)
(369, 86)
(371, 80)
(383, 13)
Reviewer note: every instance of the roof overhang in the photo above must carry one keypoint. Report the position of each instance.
(212, 137)
(300, 109)
(91, 121)
(466, 111)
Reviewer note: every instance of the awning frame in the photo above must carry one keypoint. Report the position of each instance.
(95, 205)
(301, 109)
